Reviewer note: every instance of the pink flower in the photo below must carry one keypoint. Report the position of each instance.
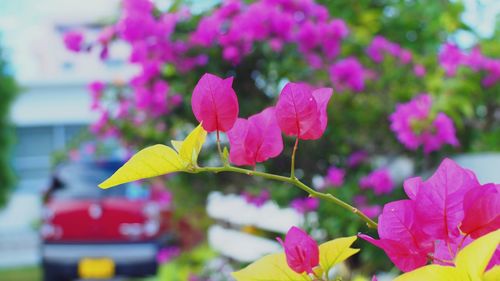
(255, 140)
(405, 56)
(419, 70)
(214, 103)
(348, 74)
(356, 158)
(335, 176)
(450, 58)
(257, 200)
(301, 111)
(492, 68)
(481, 210)
(400, 236)
(302, 252)
(371, 211)
(96, 89)
(305, 205)
(73, 41)
(167, 254)
(433, 221)
(439, 199)
(413, 124)
(379, 180)
(380, 46)
(474, 59)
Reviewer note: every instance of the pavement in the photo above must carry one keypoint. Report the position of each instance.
(19, 241)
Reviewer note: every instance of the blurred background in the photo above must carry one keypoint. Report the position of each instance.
(84, 84)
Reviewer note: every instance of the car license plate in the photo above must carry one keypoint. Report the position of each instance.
(96, 268)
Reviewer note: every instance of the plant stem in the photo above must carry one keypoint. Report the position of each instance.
(313, 193)
(292, 169)
(218, 147)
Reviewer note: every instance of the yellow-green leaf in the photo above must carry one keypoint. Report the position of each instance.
(470, 264)
(150, 162)
(336, 251)
(475, 257)
(191, 146)
(492, 274)
(434, 272)
(269, 268)
(177, 145)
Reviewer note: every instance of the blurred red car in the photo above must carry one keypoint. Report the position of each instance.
(89, 233)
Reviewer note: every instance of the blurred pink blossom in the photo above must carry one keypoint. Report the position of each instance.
(73, 41)
(305, 205)
(348, 74)
(335, 176)
(414, 125)
(379, 180)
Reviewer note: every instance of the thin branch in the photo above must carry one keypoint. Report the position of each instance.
(292, 169)
(313, 193)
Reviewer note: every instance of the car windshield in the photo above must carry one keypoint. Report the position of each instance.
(79, 181)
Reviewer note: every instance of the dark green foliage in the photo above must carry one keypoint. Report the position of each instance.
(8, 90)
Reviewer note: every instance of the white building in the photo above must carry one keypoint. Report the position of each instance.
(53, 105)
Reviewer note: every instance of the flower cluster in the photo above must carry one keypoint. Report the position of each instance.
(441, 216)
(237, 27)
(451, 58)
(380, 47)
(348, 74)
(415, 125)
(300, 111)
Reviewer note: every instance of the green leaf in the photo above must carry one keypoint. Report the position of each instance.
(470, 264)
(336, 251)
(269, 268)
(434, 272)
(191, 147)
(160, 160)
(150, 162)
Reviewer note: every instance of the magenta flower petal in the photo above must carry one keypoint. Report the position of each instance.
(237, 135)
(296, 109)
(301, 111)
(439, 200)
(400, 236)
(481, 210)
(268, 139)
(398, 222)
(322, 97)
(214, 103)
(302, 252)
(411, 186)
(255, 140)
(401, 253)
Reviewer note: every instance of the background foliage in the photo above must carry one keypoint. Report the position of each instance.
(8, 90)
